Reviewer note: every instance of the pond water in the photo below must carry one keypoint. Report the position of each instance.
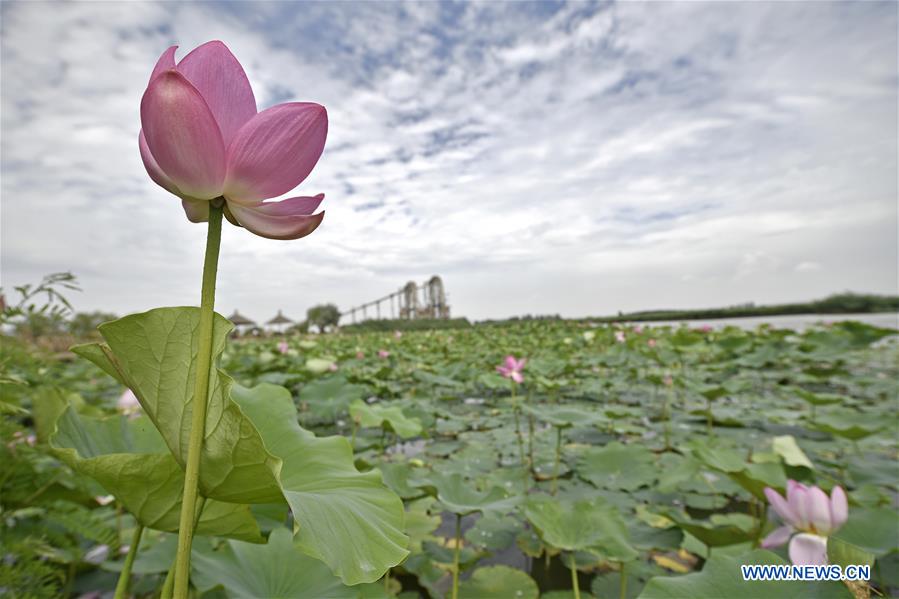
(798, 322)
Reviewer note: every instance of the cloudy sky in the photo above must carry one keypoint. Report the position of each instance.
(571, 158)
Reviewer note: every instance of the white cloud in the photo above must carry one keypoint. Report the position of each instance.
(579, 159)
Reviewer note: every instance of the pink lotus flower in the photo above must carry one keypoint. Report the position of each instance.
(511, 368)
(360, 355)
(398, 334)
(706, 328)
(128, 403)
(619, 336)
(283, 347)
(202, 139)
(651, 343)
(383, 353)
(638, 330)
(808, 511)
(333, 367)
(668, 381)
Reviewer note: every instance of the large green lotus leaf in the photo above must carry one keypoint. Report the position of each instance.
(499, 582)
(330, 397)
(346, 518)
(579, 525)
(275, 570)
(461, 498)
(848, 424)
(875, 530)
(564, 416)
(617, 466)
(152, 353)
(391, 418)
(721, 577)
(130, 460)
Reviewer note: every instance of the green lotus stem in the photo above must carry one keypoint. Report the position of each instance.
(667, 414)
(574, 585)
(531, 439)
(169, 582)
(555, 486)
(121, 588)
(622, 577)
(517, 426)
(456, 556)
(200, 400)
(708, 416)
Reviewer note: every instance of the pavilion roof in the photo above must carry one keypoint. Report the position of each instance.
(239, 319)
(280, 319)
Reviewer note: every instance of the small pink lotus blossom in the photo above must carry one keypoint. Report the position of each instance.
(651, 343)
(511, 368)
(360, 355)
(810, 513)
(283, 347)
(128, 403)
(638, 330)
(398, 334)
(619, 336)
(333, 367)
(383, 353)
(668, 381)
(706, 328)
(20, 437)
(202, 139)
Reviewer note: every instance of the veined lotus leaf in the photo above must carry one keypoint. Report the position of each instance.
(391, 418)
(586, 524)
(462, 498)
(499, 582)
(130, 460)
(721, 577)
(346, 518)
(848, 424)
(148, 353)
(617, 466)
(818, 399)
(255, 451)
(277, 569)
(494, 533)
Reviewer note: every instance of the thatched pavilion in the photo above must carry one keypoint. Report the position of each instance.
(242, 324)
(279, 323)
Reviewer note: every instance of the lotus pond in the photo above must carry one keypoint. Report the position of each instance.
(628, 462)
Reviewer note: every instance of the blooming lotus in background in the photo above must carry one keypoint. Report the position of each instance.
(360, 355)
(638, 330)
(128, 403)
(619, 336)
(383, 353)
(511, 368)
(398, 334)
(202, 140)
(706, 328)
(283, 347)
(651, 343)
(810, 513)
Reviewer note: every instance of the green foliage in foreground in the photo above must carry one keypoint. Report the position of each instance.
(640, 465)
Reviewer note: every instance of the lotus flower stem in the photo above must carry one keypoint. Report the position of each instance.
(456, 556)
(121, 589)
(515, 412)
(558, 459)
(622, 587)
(169, 581)
(574, 585)
(201, 398)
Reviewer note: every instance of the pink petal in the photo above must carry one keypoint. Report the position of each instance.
(220, 79)
(197, 211)
(275, 151)
(780, 505)
(503, 371)
(511, 363)
(808, 550)
(165, 62)
(796, 493)
(267, 221)
(817, 505)
(778, 537)
(516, 376)
(182, 136)
(839, 507)
(521, 363)
(159, 177)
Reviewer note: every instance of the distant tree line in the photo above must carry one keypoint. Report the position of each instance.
(841, 303)
(417, 324)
